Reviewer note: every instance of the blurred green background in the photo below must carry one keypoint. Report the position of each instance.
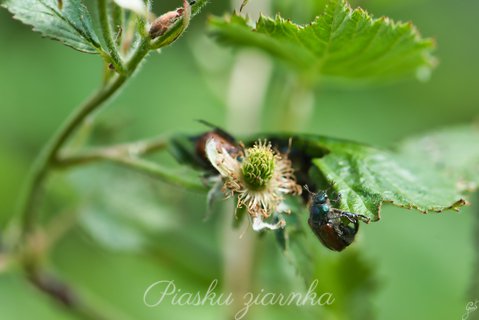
(423, 263)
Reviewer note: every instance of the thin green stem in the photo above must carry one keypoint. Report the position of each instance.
(108, 36)
(49, 154)
(299, 104)
(157, 171)
(127, 154)
(136, 149)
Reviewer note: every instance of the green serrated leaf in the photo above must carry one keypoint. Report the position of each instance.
(341, 42)
(454, 151)
(366, 177)
(69, 23)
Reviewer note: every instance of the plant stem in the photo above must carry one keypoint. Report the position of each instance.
(136, 148)
(62, 293)
(299, 103)
(49, 154)
(66, 296)
(108, 36)
(250, 71)
(158, 171)
(127, 155)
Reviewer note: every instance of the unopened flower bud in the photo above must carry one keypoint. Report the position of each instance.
(161, 24)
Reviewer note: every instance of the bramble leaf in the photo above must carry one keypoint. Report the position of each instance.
(67, 21)
(366, 176)
(341, 42)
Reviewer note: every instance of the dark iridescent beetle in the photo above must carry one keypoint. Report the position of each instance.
(335, 228)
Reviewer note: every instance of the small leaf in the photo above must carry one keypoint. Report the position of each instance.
(454, 151)
(366, 177)
(69, 23)
(341, 42)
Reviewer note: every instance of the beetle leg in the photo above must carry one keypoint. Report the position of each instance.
(348, 215)
(353, 217)
(364, 218)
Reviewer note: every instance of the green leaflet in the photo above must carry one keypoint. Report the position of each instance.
(341, 42)
(70, 24)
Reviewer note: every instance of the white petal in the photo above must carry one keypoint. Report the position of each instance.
(259, 224)
(137, 6)
(213, 155)
(220, 159)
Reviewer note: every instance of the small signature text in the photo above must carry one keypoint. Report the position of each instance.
(166, 292)
(471, 306)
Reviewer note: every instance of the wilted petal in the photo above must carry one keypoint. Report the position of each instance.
(220, 158)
